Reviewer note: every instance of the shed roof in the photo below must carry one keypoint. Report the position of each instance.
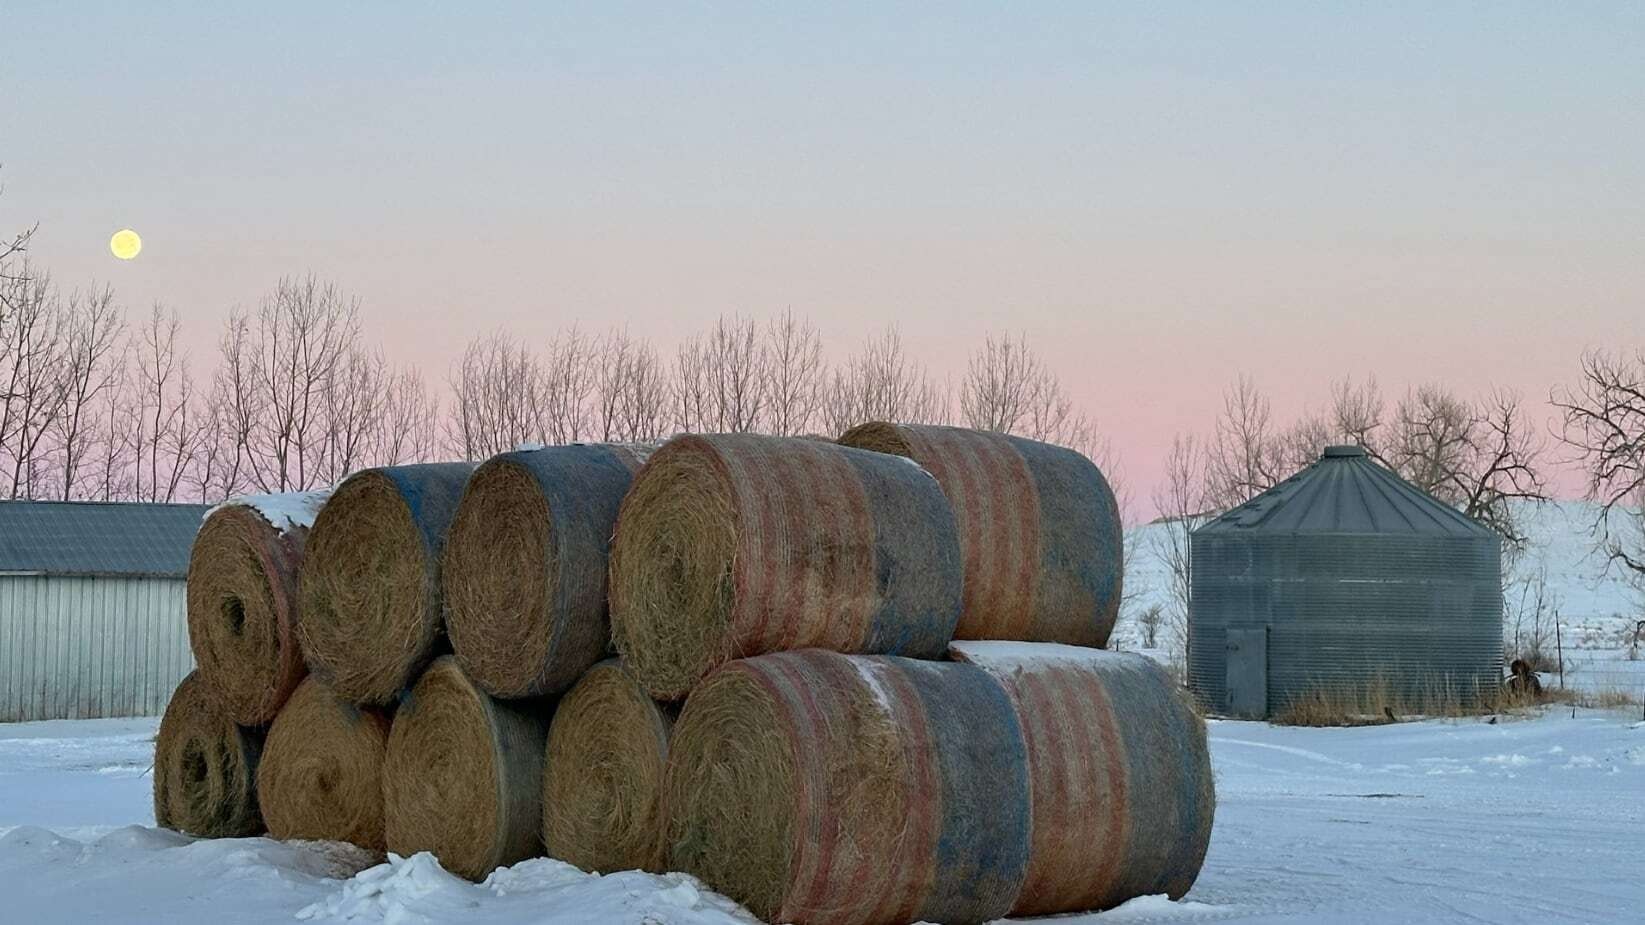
(1346, 492)
(97, 538)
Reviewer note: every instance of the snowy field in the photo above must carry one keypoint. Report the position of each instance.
(1528, 819)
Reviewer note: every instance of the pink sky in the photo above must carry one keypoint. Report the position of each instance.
(1159, 202)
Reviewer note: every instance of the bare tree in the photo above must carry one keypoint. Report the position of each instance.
(88, 367)
(12, 270)
(881, 383)
(1603, 422)
(1002, 387)
(1476, 456)
(410, 421)
(31, 380)
(354, 395)
(498, 399)
(630, 390)
(303, 330)
(794, 375)
(567, 383)
(1182, 505)
(163, 434)
(735, 366)
(692, 391)
(1241, 460)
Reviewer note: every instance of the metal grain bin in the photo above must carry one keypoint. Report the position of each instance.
(1343, 575)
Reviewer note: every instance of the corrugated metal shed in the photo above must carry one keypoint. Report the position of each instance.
(97, 538)
(92, 607)
(1341, 576)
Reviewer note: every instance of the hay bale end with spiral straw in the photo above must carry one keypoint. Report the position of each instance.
(205, 767)
(734, 544)
(370, 607)
(463, 774)
(603, 776)
(321, 776)
(526, 562)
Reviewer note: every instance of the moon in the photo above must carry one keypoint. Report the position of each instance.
(126, 244)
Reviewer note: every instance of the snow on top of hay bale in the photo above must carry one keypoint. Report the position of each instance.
(282, 510)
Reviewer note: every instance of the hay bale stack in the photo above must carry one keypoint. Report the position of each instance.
(322, 771)
(242, 601)
(205, 767)
(370, 583)
(463, 774)
(1039, 529)
(734, 544)
(603, 777)
(525, 566)
(1121, 777)
(823, 788)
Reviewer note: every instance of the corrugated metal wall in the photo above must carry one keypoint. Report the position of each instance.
(1344, 610)
(76, 648)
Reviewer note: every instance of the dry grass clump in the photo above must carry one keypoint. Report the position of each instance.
(321, 774)
(1379, 700)
(205, 767)
(370, 583)
(462, 775)
(733, 545)
(525, 566)
(1038, 524)
(242, 603)
(603, 775)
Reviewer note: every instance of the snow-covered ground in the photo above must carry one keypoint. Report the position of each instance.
(1528, 819)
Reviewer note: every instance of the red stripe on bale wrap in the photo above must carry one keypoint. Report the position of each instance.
(1039, 529)
(877, 789)
(1123, 796)
(734, 544)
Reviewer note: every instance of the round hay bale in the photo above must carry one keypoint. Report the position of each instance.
(603, 777)
(525, 566)
(1122, 792)
(1038, 525)
(242, 603)
(733, 544)
(205, 767)
(322, 772)
(816, 787)
(370, 582)
(463, 775)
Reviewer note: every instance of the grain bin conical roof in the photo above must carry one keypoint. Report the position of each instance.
(1345, 492)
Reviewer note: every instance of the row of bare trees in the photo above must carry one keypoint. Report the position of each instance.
(97, 407)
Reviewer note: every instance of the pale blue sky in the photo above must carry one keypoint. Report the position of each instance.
(1288, 189)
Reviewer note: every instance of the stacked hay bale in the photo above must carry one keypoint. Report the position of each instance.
(205, 766)
(833, 760)
(603, 781)
(1038, 525)
(525, 566)
(242, 601)
(462, 776)
(370, 585)
(817, 787)
(735, 544)
(242, 614)
(321, 773)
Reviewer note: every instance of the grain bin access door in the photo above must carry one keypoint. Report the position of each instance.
(1248, 671)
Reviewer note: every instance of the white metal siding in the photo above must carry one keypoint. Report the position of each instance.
(75, 648)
